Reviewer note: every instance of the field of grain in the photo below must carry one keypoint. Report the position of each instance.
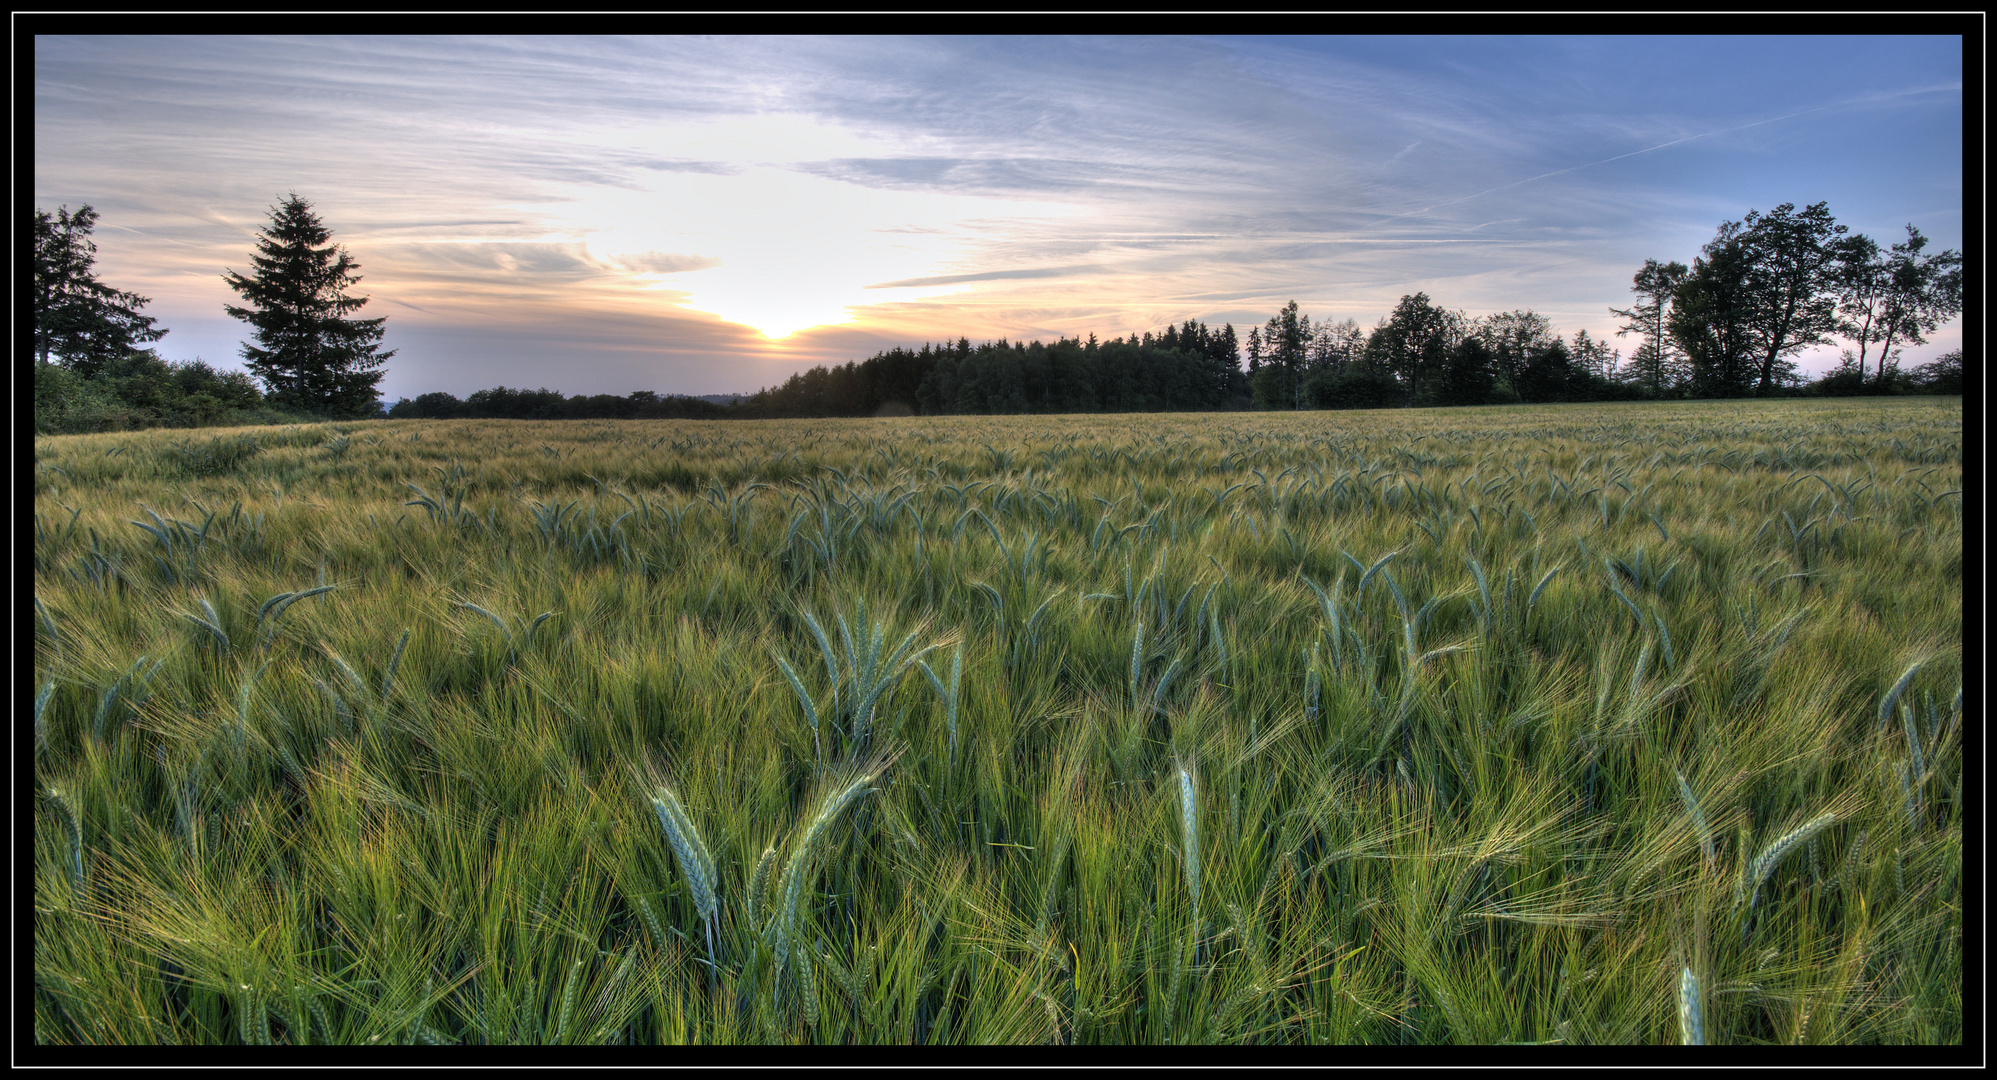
(1569, 724)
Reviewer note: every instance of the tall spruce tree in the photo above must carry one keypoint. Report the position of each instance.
(308, 354)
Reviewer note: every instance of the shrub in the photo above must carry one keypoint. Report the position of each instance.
(66, 403)
(1943, 376)
(141, 390)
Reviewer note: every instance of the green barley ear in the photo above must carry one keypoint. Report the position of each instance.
(1540, 588)
(759, 883)
(807, 987)
(353, 677)
(1893, 696)
(568, 1001)
(1698, 819)
(48, 624)
(1136, 661)
(804, 698)
(948, 693)
(394, 660)
(1691, 1024)
(1773, 853)
(791, 885)
(652, 921)
(1189, 835)
(41, 712)
(74, 827)
(1483, 591)
(695, 861)
(105, 702)
(1165, 683)
(1313, 685)
(1359, 594)
(783, 931)
(496, 620)
(956, 672)
(1913, 742)
(212, 624)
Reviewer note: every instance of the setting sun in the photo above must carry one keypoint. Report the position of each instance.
(782, 250)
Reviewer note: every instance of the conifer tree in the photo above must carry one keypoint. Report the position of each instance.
(308, 354)
(79, 320)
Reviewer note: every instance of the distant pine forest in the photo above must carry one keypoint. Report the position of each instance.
(1421, 356)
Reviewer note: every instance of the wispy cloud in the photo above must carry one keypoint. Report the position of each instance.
(989, 275)
(604, 201)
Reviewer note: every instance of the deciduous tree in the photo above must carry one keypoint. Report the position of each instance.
(1709, 318)
(1766, 289)
(1414, 343)
(1903, 295)
(1792, 280)
(1657, 362)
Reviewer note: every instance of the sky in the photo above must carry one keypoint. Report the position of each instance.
(709, 215)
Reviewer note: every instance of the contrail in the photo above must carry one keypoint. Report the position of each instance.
(1604, 161)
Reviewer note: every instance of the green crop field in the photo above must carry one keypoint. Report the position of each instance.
(1571, 724)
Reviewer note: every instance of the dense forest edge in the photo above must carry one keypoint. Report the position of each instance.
(1727, 326)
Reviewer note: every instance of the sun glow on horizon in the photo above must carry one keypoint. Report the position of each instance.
(778, 241)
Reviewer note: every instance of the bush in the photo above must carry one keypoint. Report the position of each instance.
(1842, 382)
(141, 390)
(69, 404)
(1943, 376)
(228, 389)
(1848, 379)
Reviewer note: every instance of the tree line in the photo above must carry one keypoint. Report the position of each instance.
(504, 403)
(1730, 324)
(1184, 368)
(1769, 286)
(308, 359)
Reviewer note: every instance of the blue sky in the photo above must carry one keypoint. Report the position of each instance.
(601, 215)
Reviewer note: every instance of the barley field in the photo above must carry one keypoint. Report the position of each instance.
(1617, 724)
